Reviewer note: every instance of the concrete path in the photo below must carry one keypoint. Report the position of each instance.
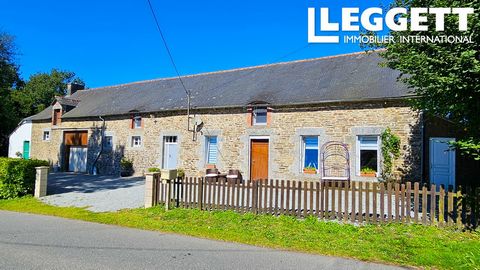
(42, 242)
(96, 193)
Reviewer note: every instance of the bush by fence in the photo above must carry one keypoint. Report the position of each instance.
(17, 176)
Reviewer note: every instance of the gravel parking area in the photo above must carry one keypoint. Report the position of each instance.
(95, 193)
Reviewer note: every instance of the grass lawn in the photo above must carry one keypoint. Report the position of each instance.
(411, 245)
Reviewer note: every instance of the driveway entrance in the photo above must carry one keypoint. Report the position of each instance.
(95, 193)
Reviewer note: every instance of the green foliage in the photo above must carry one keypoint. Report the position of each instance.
(469, 147)
(427, 247)
(17, 176)
(310, 168)
(390, 152)
(9, 79)
(367, 170)
(41, 89)
(126, 163)
(444, 76)
(126, 167)
(153, 170)
(180, 173)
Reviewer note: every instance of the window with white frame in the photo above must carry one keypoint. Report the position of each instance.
(46, 135)
(310, 153)
(137, 122)
(136, 141)
(259, 116)
(212, 149)
(108, 142)
(368, 155)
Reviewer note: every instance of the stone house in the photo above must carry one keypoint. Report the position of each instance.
(267, 121)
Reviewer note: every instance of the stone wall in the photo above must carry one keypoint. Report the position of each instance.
(342, 122)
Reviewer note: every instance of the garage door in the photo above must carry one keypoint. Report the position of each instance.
(76, 151)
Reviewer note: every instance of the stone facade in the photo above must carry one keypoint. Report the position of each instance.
(341, 122)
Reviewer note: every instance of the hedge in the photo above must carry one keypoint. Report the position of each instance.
(17, 176)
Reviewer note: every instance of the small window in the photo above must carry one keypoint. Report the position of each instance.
(368, 156)
(136, 141)
(310, 152)
(259, 116)
(170, 139)
(46, 135)
(212, 150)
(108, 142)
(137, 122)
(57, 115)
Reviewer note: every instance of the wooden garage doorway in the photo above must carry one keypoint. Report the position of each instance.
(75, 156)
(258, 158)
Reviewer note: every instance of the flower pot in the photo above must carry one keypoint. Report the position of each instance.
(309, 171)
(368, 174)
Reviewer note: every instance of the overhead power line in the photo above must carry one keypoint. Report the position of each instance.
(166, 47)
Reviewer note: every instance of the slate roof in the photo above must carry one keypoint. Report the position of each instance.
(67, 101)
(352, 77)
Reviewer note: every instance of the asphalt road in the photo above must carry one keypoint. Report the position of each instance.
(42, 242)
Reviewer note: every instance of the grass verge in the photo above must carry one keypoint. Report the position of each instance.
(412, 245)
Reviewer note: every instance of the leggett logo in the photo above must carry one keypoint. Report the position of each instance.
(373, 19)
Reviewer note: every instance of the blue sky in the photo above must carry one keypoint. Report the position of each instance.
(111, 42)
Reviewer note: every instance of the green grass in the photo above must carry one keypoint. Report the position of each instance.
(412, 245)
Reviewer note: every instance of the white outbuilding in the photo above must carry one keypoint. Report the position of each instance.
(20, 140)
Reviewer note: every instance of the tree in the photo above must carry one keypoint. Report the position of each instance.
(9, 79)
(40, 90)
(444, 76)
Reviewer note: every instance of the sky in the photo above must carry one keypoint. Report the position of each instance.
(109, 42)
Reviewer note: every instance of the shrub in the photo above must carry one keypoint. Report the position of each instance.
(153, 170)
(17, 176)
(126, 167)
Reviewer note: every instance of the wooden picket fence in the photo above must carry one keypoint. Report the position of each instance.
(356, 202)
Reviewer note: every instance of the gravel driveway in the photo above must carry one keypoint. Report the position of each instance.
(95, 193)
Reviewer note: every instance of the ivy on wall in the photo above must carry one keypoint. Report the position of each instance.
(390, 151)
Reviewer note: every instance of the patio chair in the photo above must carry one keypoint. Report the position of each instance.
(234, 176)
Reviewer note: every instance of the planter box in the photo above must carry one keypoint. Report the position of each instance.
(168, 174)
(309, 171)
(369, 174)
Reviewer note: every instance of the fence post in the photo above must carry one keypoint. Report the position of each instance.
(150, 188)
(459, 207)
(200, 193)
(41, 180)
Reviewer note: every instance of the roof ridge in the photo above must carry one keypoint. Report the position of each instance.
(235, 69)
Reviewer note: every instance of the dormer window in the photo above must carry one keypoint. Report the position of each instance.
(137, 122)
(259, 116)
(57, 117)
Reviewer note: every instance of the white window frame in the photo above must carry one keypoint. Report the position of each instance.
(304, 147)
(137, 120)
(167, 140)
(359, 148)
(48, 137)
(133, 144)
(254, 116)
(207, 149)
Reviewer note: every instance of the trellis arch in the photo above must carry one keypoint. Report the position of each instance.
(335, 161)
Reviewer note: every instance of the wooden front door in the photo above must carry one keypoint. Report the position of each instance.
(259, 159)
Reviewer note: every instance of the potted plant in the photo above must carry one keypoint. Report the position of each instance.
(126, 167)
(310, 170)
(180, 173)
(368, 172)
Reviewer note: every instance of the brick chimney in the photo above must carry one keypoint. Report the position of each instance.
(74, 87)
